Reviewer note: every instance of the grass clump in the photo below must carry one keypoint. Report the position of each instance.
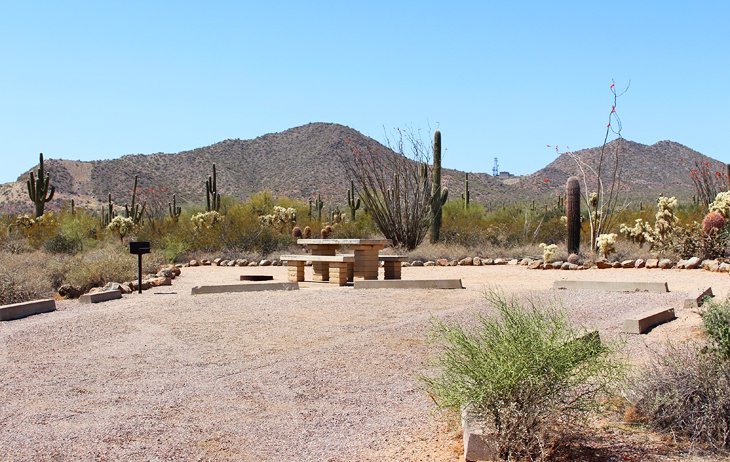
(527, 372)
(23, 277)
(97, 267)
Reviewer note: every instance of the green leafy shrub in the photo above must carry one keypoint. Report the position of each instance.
(716, 320)
(526, 372)
(61, 243)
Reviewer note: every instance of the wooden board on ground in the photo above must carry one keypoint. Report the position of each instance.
(227, 288)
(647, 320)
(21, 310)
(101, 296)
(613, 286)
(410, 284)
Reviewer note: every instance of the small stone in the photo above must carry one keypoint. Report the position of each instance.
(574, 267)
(603, 264)
(223, 263)
(574, 258)
(253, 263)
(640, 263)
(628, 263)
(525, 262)
(231, 263)
(206, 263)
(616, 264)
(476, 261)
(165, 273)
(556, 264)
(430, 263)
(692, 263)
(417, 263)
(275, 262)
(710, 265)
(535, 265)
(487, 261)
(405, 264)
(217, 261)
(179, 265)
(724, 267)
(156, 282)
(442, 262)
(125, 288)
(453, 263)
(69, 291)
(565, 266)
(500, 261)
(194, 263)
(681, 264)
(652, 263)
(665, 263)
(514, 261)
(467, 261)
(265, 262)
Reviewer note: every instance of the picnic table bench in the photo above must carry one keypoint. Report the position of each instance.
(339, 267)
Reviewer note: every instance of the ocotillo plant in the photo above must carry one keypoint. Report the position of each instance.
(319, 205)
(175, 211)
(465, 195)
(351, 202)
(572, 213)
(135, 212)
(438, 195)
(40, 189)
(213, 199)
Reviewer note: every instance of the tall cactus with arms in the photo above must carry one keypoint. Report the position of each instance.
(135, 212)
(40, 189)
(213, 199)
(466, 196)
(572, 213)
(438, 195)
(351, 202)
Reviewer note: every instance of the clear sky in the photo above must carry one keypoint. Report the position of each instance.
(100, 79)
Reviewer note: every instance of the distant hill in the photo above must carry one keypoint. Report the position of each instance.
(304, 161)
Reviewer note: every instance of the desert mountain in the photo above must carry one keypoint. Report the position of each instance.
(304, 161)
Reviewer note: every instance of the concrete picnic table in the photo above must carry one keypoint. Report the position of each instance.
(366, 255)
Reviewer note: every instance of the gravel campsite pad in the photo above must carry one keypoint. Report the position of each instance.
(322, 373)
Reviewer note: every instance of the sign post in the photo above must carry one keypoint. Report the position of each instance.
(139, 248)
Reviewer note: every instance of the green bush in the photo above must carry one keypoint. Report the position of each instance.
(112, 263)
(61, 243)
(526, 372)
(23, 278)
(716, 320)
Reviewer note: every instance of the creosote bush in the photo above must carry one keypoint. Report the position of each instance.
(526, 371)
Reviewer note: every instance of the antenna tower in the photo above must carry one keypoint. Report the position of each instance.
(495, 169)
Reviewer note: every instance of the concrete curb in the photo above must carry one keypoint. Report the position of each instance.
(101, 296)
(614, 286)
(252, 287)
(21, 310)
(648, 320)
(695, 300)
(410, 284)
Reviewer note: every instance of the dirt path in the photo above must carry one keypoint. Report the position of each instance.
(323, 373)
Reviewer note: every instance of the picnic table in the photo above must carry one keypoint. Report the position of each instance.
(366, 252)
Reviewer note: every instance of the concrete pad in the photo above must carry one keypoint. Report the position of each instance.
(255, 287)
(647, 320)
(21, 310)
(410, 284)
(614, 286)
(101, 296)
(697, 297)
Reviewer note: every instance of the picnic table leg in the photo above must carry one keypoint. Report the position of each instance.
(338, 273)
(392, 269)
(366, 264)
(321, 269)
(296, 271)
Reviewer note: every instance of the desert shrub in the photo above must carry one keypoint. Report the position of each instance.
(23, 277)
(61, 243)
(692, 241)
(108, 264)
(716, 321)
(362, 227)
(686, 391)
(525, 371)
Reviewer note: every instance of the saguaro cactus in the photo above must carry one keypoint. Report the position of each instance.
(438, 195)
(572, 213)
(319, 205)
(40, 189)
(135, 212)
(351, 202)
(465, 196)
(175, 211)
(213, 199)
(108, 215)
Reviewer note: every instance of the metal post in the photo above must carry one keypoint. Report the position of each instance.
(139, 272)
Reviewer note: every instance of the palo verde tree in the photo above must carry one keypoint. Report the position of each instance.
(394, 187)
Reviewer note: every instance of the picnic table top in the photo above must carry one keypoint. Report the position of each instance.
(383, 242)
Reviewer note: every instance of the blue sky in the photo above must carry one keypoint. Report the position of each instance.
(93, 80)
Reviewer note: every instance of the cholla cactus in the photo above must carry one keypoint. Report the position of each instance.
(548, 252)
(24, 221)
(121, 226)
(665, 219)
(206, 220)
(605, 244)
(721, 204)
(640, 233)
(281, 219)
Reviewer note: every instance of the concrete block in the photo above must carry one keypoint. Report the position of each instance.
(101, 296)
(696, 298)
(255, 287)
(613, 286)
(647, 320)
(479, 442)
(21, 310)
(410, 284)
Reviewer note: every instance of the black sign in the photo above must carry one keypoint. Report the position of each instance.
(138, 248)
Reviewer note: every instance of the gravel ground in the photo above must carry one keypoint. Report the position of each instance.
(321, 374)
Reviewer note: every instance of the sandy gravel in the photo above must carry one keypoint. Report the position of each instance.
(321, 374)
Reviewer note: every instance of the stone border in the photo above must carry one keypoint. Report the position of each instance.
(613, 286)
(101, 296)
(648, 320)
(410, 284)
(24, 309)
(253, 287)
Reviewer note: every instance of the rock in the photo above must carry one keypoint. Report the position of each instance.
(194, 263)
(157, 282)
(253, 263)
(308, 263)
(628, 263)
(574, 267)
(525, 262)
(275, 262)
(176, 271)
(724, 267)
(95, 290)
(692, 263)
(603, 264)
(134, 285)
(125, 288)
(179, 265)
(165, 273)
(231, 263)
(500, 261)
(681, 264)
(242, 262)
(69, 291)
(487, 261)
(514, 261)
(405, 264)
(665, 263)
(467, 261)
(453, 263)
(652, 263)
(217, 261)
(430, 263)
(616, 264)
(565, 266)
(535, 265)
(265, 262)
(710, 265)
(223, 262)
(556, 264)
(417, 263)
(442, 262)
(639, 263)
(574, 258)
(205, 263)
(476, 261)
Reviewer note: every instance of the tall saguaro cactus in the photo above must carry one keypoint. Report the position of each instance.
(108, 215)
(351, 202)
(175, 211)
(466, 195)
(572, 213)
(438, 195)
(213, 199)
(135, 212)
(319, 205)
(40, 189)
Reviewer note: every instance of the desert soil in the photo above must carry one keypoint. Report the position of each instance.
(319, 374)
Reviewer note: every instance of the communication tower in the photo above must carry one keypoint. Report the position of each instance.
(495, 169)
